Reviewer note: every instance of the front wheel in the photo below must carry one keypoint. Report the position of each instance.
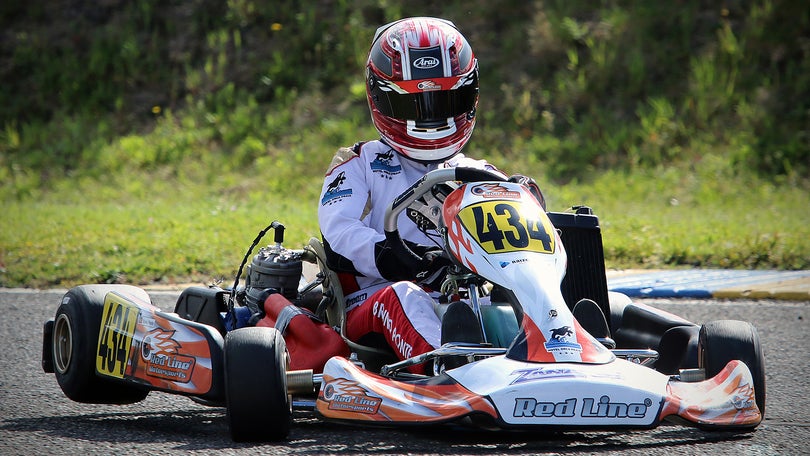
(722, 341)
(74, 346)
(258, 406)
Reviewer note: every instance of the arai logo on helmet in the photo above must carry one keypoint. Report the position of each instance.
(425, 63)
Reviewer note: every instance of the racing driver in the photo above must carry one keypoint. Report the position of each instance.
(422, 90)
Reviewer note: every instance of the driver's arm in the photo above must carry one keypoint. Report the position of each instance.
(341, 216)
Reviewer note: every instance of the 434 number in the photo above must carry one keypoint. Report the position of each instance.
(115, 338)
(504, 227)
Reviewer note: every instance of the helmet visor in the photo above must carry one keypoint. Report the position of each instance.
(427, 105)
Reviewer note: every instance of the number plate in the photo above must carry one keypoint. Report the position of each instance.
(503, 226)
(115, 336)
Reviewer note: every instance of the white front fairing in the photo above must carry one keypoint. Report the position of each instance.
(501, 233)
(567, 394)
(495, 229)
(545, 395)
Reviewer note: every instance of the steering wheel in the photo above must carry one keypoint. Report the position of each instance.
(417, 190)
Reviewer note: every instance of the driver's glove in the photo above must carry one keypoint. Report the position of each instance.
(530, 184)
(434, 268)
(395, 266)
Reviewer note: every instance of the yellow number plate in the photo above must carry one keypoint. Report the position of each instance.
(115, 336)
(502, 226)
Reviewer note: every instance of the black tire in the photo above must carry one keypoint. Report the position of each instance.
(722, 341)
(258, 406)
(74, 344)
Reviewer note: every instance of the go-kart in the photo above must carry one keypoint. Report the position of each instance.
(531, 339)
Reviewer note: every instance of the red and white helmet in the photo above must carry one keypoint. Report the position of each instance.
(422, 87)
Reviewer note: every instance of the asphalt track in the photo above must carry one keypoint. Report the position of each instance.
(35, 418)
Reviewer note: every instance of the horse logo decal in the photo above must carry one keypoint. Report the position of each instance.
(381, 165)
(560, 342)
(335, 184)
(333, 192)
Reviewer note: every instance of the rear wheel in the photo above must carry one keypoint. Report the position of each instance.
(258, 406)
(74, 345)
(722, 341)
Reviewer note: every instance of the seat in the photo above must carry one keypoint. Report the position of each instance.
(334, 311)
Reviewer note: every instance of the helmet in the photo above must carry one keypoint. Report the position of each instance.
(422, 88)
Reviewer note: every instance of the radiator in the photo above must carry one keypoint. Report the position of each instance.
(585, 274)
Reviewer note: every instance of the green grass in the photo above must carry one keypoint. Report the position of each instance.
(172, 235)
(675, 218)
(194, 232)
(155, 143)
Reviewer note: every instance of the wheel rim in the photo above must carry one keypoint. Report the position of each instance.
(62, 343)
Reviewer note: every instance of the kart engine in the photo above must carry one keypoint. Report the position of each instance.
(274, 269)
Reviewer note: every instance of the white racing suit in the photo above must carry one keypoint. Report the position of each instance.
(381, 299)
